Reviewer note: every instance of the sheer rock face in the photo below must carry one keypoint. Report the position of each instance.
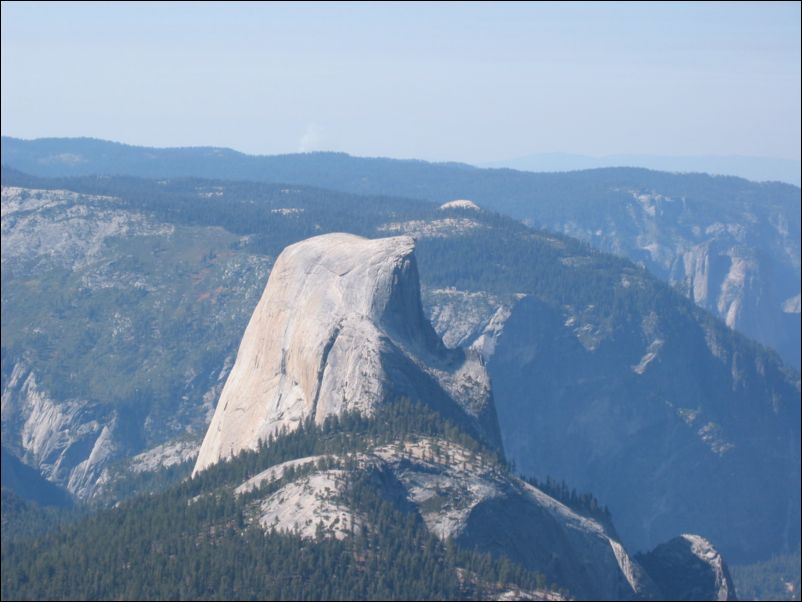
(69, 442)
(704, 573)
(340, 327)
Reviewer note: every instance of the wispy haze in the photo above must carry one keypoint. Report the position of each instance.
(475, 82)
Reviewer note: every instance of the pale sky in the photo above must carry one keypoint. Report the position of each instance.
(476, 82)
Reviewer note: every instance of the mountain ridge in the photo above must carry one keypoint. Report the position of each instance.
(731, 245)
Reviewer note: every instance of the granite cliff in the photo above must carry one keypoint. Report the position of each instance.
(340, 327)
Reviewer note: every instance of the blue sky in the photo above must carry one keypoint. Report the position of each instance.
(474, 82)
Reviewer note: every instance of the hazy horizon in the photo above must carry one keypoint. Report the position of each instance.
(759, 169)
(472, 83)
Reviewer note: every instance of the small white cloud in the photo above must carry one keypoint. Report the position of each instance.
(311, 139)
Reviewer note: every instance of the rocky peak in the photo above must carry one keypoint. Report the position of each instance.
(461, 204)
(704, 574)
(340, 327)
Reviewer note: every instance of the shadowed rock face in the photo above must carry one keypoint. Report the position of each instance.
(339, 328)
(672, 433)
(689, 568)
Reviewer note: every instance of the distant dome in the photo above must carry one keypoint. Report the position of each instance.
(460, 204)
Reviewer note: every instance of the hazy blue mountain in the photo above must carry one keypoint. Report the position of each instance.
(29, 484)
(731, 245)
(757, 169)
(124, 301)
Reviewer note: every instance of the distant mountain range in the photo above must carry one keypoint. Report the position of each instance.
(758, 169)
(731, 245)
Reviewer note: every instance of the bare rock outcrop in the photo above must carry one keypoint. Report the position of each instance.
(703, 573)
(340, 328)
(462, 495)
